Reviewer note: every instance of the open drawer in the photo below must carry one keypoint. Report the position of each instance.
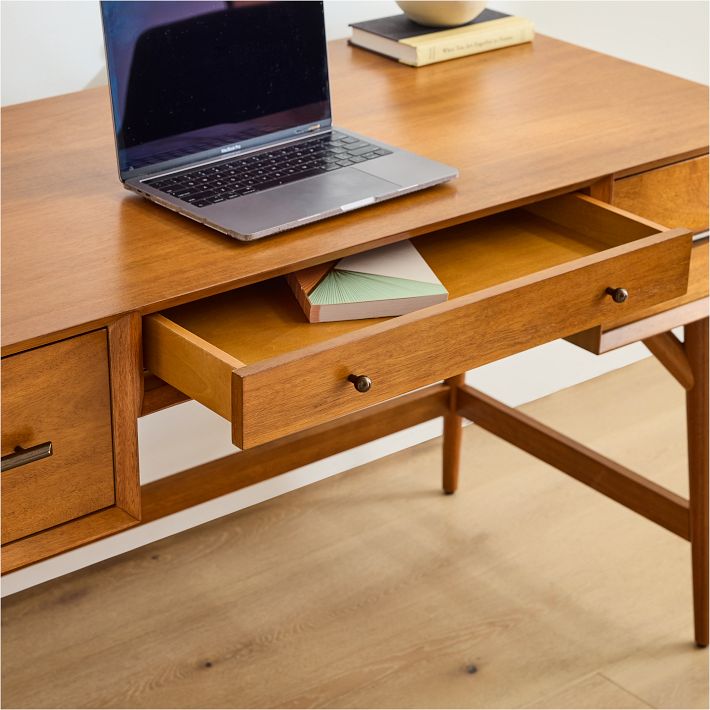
(515, 280)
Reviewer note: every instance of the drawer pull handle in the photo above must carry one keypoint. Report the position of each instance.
(20, 456)
(362, 382)
(618, 295)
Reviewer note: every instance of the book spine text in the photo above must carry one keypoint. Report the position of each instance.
(454, 47)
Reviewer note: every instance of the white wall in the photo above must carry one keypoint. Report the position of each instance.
(50, 48)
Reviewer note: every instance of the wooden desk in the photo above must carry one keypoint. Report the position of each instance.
(98, 283)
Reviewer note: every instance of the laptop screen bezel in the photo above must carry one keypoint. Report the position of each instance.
(223, 151)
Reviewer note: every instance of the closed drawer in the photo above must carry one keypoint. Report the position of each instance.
(515, 280)
(59, 394)
(675, 195)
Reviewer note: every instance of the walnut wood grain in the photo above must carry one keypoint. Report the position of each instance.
(696, 348)
(675, 195)
(307, 386)
(61, 538)
(594, 220)
(668, 350)
(230, 473)
(282, 394)
(520, 125)
(78, 252)
(602, 189)
(58, 393)
(124, 342)
(600, 341)
(264, 320)
(371, 590)
(697, 289)
(159, 395)
(296, 372)
(180, 357)
(451, 440)
(600, 473)
(90, 487)
(623, 329)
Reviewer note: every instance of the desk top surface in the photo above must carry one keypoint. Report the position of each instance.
(519, 123)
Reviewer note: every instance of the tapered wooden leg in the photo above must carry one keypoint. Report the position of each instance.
(696, 347)
(452, 438)
(669, 351)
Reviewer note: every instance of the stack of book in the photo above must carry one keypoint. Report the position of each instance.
(400, 38)
(388, 281)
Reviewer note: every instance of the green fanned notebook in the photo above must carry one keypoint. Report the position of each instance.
(388, 281)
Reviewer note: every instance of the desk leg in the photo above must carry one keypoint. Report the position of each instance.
(452, 437)
(696, 347)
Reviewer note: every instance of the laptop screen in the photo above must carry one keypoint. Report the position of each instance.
(196, 79)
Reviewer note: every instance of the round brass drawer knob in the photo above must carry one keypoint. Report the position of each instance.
(618, 295)
(362, 382)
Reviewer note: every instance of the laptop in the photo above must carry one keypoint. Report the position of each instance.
(221, 112)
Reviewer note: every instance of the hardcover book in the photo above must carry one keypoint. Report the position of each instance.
(400, 38)
(387, 281)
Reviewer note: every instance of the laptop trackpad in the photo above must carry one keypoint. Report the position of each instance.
(299, 200)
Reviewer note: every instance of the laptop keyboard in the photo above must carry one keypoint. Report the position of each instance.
(228, 179)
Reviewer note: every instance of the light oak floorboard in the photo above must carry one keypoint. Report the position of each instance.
(372, 589)
(668, 675)
(594, 691)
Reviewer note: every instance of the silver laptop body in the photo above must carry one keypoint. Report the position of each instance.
(280, 172)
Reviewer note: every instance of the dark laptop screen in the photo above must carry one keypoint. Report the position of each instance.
(191, 78)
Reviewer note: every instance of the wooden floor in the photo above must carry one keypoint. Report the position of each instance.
(372, 589)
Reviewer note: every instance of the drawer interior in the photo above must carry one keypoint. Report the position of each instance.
(264, 320)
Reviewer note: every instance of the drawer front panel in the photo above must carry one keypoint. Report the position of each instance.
(59, 394)
(280, 396)
(674, 196)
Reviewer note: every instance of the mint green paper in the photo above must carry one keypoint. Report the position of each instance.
(341, 286)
